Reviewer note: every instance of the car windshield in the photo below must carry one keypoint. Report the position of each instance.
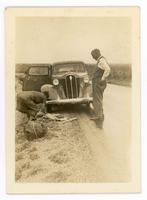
(70, 67)
(38, 71)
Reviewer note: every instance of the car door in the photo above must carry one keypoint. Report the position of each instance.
(36, 76)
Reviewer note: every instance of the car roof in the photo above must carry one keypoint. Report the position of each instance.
(68, 62)
(39, 65)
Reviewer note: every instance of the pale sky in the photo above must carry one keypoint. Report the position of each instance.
(48, 40)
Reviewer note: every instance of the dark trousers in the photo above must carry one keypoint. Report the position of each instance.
(98, 90)
(29, 107)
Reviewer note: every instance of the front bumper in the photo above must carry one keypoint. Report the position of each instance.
(70, 101)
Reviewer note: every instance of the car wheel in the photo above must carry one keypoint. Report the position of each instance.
(49, 108)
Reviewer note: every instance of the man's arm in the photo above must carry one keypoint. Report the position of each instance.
(104, 65)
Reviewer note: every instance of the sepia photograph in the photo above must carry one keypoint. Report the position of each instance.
(73, 75)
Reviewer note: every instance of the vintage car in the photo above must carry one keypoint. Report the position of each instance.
(36, 75)
(70, 84)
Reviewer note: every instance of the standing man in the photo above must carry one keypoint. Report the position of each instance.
(99, 84)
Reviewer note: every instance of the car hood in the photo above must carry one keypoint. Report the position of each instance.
(80, 74)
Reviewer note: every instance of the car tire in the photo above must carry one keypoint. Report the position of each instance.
(49, 108)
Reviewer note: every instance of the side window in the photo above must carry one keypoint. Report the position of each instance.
(36, 71)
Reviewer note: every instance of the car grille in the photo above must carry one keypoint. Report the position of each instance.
(71, 85)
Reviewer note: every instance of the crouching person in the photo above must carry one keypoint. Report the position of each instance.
(31, 103)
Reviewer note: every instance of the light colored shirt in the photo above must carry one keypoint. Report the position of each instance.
(102, 64)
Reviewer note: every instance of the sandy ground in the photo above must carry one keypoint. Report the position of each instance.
(77, 151)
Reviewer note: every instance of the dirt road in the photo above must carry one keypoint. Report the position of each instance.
(78, 151)
(111, 146)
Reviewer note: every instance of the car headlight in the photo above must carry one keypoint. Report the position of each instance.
(56, 82)
(86, 79)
